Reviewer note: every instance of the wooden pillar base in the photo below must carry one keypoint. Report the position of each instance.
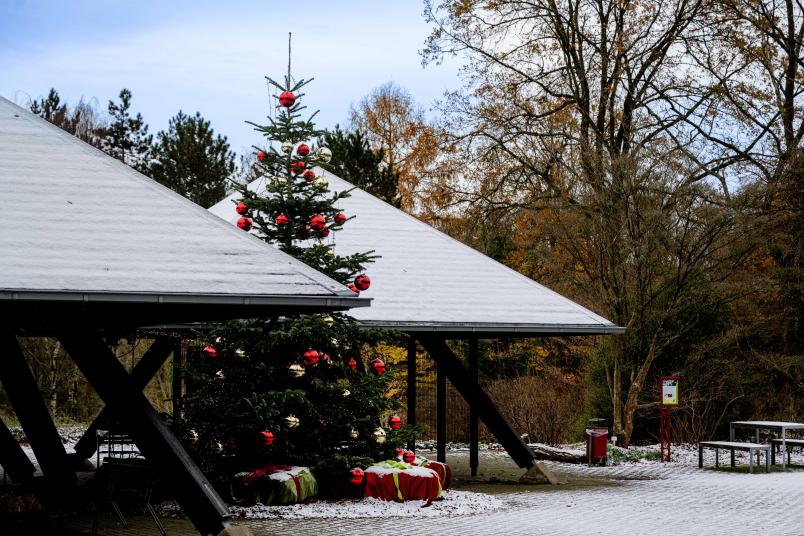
(124, 397)
(13, 459)
(495, 421)
(30, 408)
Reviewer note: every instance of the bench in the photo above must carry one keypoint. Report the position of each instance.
(732, 446)
(789, 443)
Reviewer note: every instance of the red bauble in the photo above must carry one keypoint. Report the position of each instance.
(287, 99)
(362, 282)
(356, 476)
(325, 233)
(378, 366)
(242, 208)
(310, 358)
(409, 456)
(309, 175)
(281, 220)
(400, 453)
(245, 223)
(353, 288)
(260, 156)
(352, 364)
(395, 423)
(302, 150)
(325, 357)
(318, 222)
(297, 166)
(266, 438)
(210, 351)
(340, 218)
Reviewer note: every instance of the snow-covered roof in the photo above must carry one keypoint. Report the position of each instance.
(78, 225)
(425, 280)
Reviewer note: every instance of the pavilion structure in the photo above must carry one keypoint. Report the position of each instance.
(91, 249)
(435, 289)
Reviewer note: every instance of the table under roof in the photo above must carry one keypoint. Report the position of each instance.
(426, 281)
(89, 246)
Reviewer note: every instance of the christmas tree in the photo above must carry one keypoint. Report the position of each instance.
(304, 390)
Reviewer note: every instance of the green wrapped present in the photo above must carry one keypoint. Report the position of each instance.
(274, 485)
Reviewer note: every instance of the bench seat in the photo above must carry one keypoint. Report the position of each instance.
(732, 446)
(789, 444)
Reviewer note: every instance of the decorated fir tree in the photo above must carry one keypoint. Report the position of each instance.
(304, 390)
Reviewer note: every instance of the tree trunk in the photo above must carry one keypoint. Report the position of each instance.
(54, 379)
(543, 452)
(629, 411)
(616, 397)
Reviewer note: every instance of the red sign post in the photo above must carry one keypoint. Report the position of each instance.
(668, 399)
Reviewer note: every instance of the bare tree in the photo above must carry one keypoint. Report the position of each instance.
(578, 112)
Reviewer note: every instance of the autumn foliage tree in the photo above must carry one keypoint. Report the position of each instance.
(392, 123)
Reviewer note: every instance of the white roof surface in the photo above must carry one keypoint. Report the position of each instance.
(76, 224)
(426, 280)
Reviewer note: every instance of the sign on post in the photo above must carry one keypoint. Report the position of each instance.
(668, 399)
(670, 392)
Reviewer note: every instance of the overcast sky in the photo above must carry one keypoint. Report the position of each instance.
(212, 56)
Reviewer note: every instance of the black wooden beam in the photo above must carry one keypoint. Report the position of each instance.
(177, 378)
(441, 413)
(31, 411)
(124, 397)
(411, 387)
(496, 422)
(143, 372)
(473, 424)
(13, 459)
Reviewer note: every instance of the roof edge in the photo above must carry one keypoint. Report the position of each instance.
(491, 327)
(167, 298)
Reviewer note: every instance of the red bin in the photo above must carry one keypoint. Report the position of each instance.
(597, 439)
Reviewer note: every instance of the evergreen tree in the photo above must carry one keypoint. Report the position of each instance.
(50, 108)
(314, 384)
(126, 138)
(191, 160)
(355, 161)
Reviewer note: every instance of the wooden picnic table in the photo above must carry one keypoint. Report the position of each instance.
(773, 426)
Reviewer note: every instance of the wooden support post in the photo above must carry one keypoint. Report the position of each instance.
(441, 414)
(176, 390)
(125, 398)
(13, 459)
(473, 424)
(141, 375)
(496, 422)
(30, 408)
(411, 387)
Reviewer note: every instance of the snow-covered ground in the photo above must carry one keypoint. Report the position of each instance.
(637, 495)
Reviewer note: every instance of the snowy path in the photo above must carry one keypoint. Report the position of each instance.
(639, 498)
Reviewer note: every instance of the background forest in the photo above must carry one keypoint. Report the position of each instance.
(643, 158)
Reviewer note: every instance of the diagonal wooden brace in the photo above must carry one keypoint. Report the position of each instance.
(141, 375)
(155, 440)
(30, 408)
(14, 461)
(478, 399)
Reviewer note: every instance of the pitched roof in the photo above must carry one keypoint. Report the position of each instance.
(428, 281)
(78, 225)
